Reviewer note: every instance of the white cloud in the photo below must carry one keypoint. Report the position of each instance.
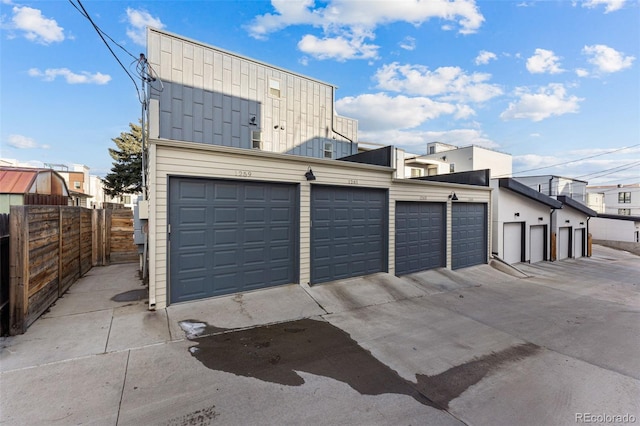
(23, 142)
(607, 59)
(36, 27)
(610, 5)
(340, 48)
(381, 112)
(415, 141)
(449, 83)
(138, 21)
(345, 24)
(84, 77)
(409, 43)
(551, 100)
(544, 61)
(581, 72)
(484, 57)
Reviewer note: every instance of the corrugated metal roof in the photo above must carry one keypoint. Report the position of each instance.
(17, 180)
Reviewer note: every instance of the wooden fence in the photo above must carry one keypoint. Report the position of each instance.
(4, 274)
(52, 246)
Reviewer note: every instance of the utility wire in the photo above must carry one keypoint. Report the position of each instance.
(574, 161)
(100, 33)
(615, 169)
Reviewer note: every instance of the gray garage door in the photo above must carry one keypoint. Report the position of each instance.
(420, 236)
(348, 232)
(468, 234)
(230, 236)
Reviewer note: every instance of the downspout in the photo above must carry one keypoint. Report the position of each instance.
(333, 113)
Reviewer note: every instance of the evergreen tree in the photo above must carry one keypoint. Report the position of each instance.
(126, 174)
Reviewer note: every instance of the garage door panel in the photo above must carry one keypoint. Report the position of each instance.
(347, 230)
(468, 234)
(247, 243)
(420, 236)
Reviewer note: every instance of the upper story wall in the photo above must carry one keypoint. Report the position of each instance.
(471, 158)
(217, 97)
(557, 185)
(618, 199)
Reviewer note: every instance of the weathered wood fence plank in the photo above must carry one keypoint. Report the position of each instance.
(53, 246)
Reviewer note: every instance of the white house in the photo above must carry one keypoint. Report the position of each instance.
(444, 158)
(521, 222)
(615, 199)
(570, 224)
(232, 211)
(553, 186)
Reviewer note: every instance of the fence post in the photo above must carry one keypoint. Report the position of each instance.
(108, 221)
(18, 269)
(60, 252)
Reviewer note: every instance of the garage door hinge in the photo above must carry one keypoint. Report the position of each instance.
(168, 228)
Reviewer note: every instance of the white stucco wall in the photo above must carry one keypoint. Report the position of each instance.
(506, 204)
(613, 229)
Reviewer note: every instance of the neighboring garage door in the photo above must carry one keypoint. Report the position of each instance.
(230, 236)
(348, 232)
(420, 236)
(537, 241)
(468, 234)
(578, 243)
(513, 242)
(564, 243)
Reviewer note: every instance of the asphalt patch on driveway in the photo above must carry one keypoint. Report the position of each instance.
(274, 353)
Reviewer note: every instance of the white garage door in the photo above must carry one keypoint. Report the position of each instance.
(537, 241)
(564, 243)
(578, 243)
(513, 242)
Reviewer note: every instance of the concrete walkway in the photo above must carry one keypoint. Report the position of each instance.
(474, 346)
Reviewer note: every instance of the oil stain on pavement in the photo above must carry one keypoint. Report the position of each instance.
(275, 353)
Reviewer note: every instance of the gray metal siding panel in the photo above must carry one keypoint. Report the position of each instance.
(468, 234)
(348, 232)
(230, 236)
(420, 236)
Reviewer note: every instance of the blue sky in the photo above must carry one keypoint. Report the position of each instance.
(550, 82)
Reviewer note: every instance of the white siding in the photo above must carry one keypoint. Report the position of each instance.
(211, 96)
(169, 158)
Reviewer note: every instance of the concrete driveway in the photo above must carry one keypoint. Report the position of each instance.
(550, 344)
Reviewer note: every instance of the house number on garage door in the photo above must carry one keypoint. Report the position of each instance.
(243, 173)
(353, 181)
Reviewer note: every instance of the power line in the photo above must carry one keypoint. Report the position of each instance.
(100, 33)
(575, 161)
(613, 170)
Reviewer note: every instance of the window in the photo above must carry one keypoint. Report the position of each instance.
(624, 197)
(626, 212)
(452, 167)
(415, 172)
(274, 88)
(432, 149)
(76, 185)
(328, 150)
(256, 139)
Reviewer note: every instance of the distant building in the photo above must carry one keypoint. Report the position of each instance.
(443, 158)
(554, 186)
(21, 186)
(615, 199)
